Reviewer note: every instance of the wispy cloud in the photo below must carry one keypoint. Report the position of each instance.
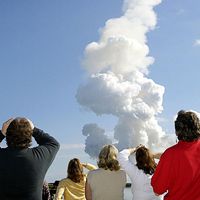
(72, 146)
(196, 42)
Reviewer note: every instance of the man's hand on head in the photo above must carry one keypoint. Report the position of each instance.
(31, 124)
(5, 126)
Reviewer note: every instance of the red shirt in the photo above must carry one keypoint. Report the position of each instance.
(178, 172)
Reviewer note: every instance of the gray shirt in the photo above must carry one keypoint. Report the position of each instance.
(106, 184)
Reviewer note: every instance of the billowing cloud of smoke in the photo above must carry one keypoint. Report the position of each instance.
(95, 139)
(118, 82)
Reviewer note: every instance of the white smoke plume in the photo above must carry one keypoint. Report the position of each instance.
(118, 82)
(95, 139)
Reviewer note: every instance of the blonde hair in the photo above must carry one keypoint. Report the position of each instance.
(108, 158)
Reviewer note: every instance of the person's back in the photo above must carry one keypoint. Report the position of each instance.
(140, 173)
(20, 174)
(73, 187)
(106, 184)
(141, 186)
(22, 170)
(181, 172)
(178, 172)
(68, 189)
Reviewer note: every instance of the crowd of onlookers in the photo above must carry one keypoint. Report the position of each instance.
(176, 176)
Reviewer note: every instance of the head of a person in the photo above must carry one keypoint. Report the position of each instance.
(19, 133)
(108, 158)
(145, 160)
(75, 170)
(187, 126)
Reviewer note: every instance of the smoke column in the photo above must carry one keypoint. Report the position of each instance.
(118, 82)
(95, 139)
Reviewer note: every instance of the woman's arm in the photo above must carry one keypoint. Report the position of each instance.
(89, 166)
(133, 150)
(123, 158)
(157, 155)
(88, 191)
(125, 163)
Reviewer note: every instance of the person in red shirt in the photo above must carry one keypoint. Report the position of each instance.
(178, 171)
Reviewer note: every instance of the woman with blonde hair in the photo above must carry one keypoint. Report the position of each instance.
(107, 182)
(73, 187)
(141, 172)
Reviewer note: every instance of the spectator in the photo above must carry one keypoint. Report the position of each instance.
(107, 182)
(45, 192)
(23, 168)
(73, 187)
(178, 172)
(141, 172)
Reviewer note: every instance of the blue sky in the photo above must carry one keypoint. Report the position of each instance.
(41, 49)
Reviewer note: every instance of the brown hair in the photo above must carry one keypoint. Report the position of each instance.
(19, 133)
(108, 158)
(145, 160)
(187, 126)
(75, 170)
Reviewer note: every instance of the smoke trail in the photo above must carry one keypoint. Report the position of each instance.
(118, 82)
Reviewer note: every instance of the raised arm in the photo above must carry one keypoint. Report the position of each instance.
(47, 144)
(89, 166)
(125, 163)
(157, 155)
(4, 128)
(44, 139)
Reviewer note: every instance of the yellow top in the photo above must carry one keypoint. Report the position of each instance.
(71, 190)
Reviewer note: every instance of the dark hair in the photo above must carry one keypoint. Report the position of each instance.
(75, 170)
(187, 126)
(108, 158)
(19, 133)
(145, 160)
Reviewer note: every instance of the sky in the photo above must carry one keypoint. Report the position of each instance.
(44, 63)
